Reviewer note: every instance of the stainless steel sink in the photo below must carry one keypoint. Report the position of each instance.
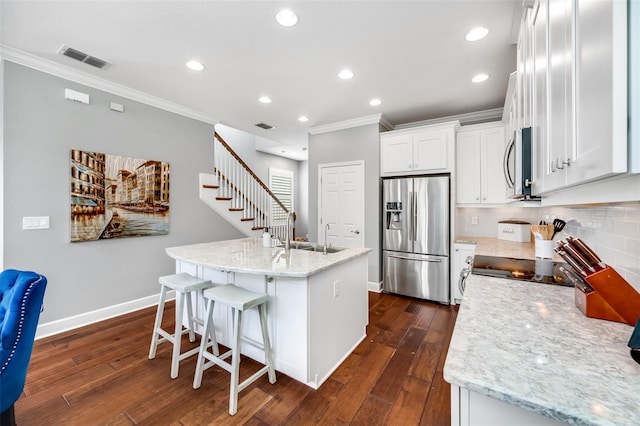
(313, 247)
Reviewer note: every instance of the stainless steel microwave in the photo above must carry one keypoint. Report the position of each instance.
(518, 169)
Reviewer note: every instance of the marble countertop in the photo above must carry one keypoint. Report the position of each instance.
(495, 247)
(249, 256)
(528, 345)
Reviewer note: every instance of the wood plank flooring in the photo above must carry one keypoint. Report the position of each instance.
(100, 375)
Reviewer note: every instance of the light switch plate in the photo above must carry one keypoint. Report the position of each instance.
(35, 222)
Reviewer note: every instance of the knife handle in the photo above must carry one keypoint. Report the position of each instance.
(579, 258)
(588, 253)
(563, 254)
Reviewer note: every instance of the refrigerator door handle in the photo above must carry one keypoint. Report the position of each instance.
(412, 258)
(414, 205)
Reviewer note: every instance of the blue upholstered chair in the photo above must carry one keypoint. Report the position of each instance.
(21, 295)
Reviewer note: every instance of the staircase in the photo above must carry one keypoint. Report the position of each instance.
(235, 192)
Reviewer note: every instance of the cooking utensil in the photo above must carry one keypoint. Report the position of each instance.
(558, 225)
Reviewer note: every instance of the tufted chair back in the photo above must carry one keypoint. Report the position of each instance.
(21, 295)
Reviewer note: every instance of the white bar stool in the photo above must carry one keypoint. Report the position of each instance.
(183, 284)
(238, 299)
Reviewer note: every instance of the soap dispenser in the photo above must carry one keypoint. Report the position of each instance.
(266, 238)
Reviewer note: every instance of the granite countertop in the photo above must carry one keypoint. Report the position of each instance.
(495, 247)
(528, 345)
(249, 256)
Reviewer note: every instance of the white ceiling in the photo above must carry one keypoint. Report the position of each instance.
(410, 54)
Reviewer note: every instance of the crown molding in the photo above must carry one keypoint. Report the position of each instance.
(468, 118)
(348, 124)
(20, 57)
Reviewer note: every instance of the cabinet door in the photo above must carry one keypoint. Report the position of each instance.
(430, 151)
(492, 146)
(600, 147)
(539, 118)
(560, 94)
(396, 154)
(468, 167)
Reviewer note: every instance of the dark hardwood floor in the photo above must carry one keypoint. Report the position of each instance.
(100, 375)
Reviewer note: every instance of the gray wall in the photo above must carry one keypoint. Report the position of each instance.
(40, 129)
(358, 143)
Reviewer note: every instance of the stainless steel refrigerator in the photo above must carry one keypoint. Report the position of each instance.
(415, 237)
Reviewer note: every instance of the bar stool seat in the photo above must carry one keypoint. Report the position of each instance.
(183, 284)
(238, 299)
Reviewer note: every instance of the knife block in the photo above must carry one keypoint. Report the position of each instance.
(612, 298)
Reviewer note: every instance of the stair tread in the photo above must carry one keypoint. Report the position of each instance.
(211, 186)
(224, 198)
(247, 219)
(256, 228)
(236, 209)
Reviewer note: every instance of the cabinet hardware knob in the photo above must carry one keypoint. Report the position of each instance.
(567, 161)
(559, 164)
(553, 166)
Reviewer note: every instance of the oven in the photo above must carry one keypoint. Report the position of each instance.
(464, 273)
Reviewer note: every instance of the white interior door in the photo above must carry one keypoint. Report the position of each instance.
(341, 204)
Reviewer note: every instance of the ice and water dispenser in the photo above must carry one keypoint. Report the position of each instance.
(393, 211)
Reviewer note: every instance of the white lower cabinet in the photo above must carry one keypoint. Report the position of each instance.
(473, 409)
(479, 164)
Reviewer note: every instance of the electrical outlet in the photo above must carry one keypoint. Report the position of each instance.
(336, 288)
(474, 220)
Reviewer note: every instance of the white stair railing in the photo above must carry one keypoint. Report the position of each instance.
(245, 191)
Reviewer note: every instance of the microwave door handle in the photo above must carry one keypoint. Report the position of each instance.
(505, 164)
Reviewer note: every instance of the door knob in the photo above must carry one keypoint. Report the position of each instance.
(356, 232)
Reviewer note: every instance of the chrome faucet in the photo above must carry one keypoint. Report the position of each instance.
(324, 250)
(287, 241)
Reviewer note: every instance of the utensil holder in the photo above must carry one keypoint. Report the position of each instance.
(610, 289)
(544, 249)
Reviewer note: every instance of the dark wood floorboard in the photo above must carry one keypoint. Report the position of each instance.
(101, 375)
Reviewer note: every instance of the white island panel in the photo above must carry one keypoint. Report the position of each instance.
(312, 327)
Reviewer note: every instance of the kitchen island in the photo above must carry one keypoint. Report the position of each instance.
(522, 353)
(318, 304)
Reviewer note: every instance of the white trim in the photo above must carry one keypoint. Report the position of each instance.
(470, 117)
(86, 318)
(2, 165)
(348, 124)
(374, 287)
(20, 57)
(361, 171)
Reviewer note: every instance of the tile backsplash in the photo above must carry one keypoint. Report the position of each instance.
(612, 230)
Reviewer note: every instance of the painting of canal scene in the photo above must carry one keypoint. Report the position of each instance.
(116, 197)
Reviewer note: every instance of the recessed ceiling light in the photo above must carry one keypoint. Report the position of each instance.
(195, 65)
(345, 74)
(286, 18)
(303, 118)
(476, 34)
(265, 99)
(375, 102)
(480, 78)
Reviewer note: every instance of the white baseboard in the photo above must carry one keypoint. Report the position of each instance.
(65, 324)
(375, 287)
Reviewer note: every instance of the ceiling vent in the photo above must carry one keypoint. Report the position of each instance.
(83, 57)
(264, 126)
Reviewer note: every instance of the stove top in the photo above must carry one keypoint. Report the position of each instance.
(538, 270)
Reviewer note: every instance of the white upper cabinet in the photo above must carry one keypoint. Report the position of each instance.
(579, 117)
(424, 149)
(600, 147)
(479, 164)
